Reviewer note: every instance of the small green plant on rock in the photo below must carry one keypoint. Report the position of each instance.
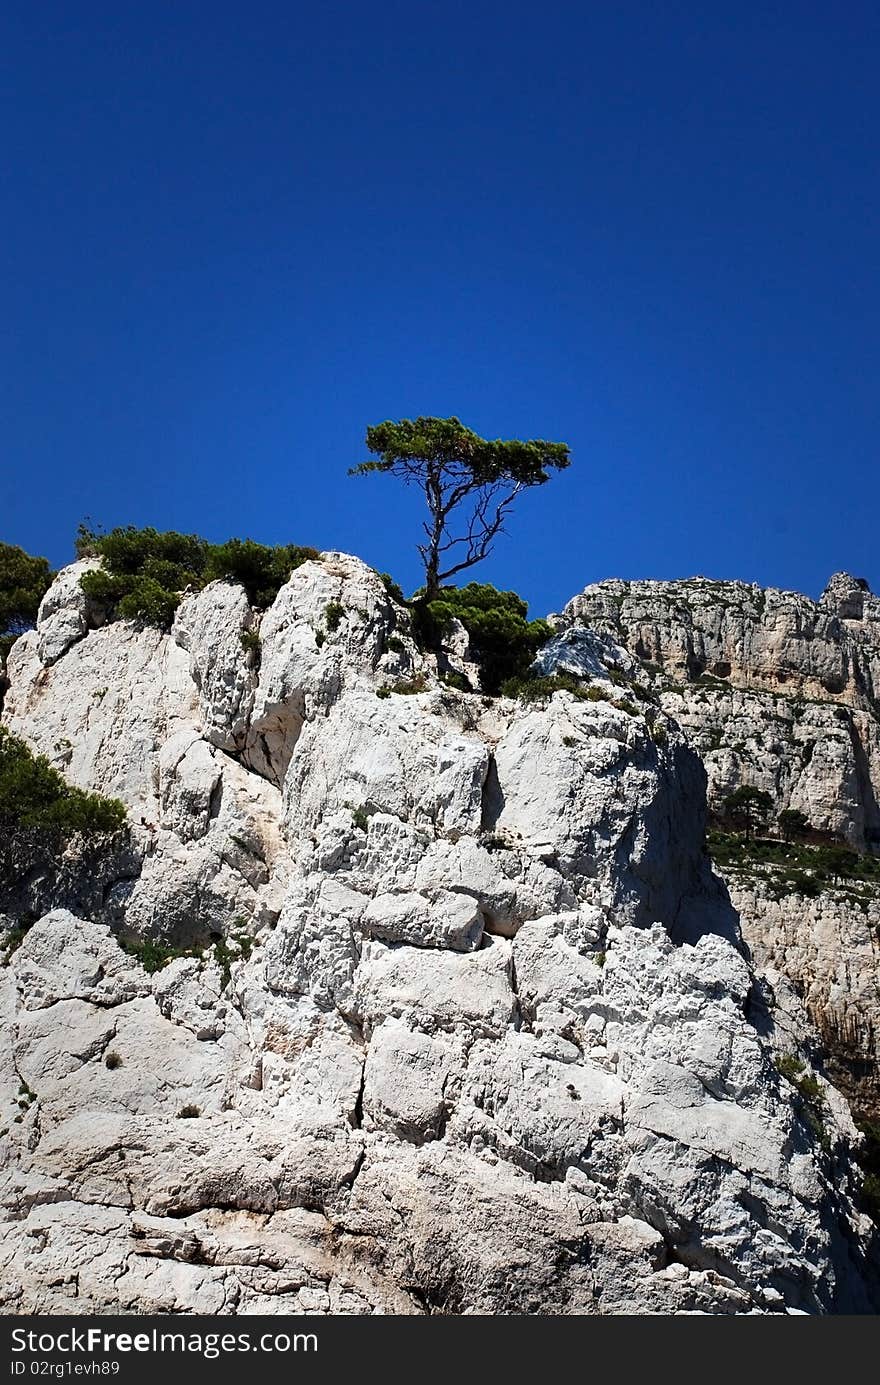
(251, 644)
(333, 613)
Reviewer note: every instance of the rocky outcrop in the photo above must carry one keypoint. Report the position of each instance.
(479, 1035)
(783, 693)
(774, 689)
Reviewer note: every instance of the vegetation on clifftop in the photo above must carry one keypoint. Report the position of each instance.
(24, 580)
(145, 572)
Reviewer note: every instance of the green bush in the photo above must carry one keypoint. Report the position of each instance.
(868, 1157)
(261, 570)
(538, 689)
(794, 867)
(153, 955)
(146, 571)
(24, 581)
(251, 644)
(404, 687)
(393, 590)
(34, 795)
(503, 640)
(333, 613)
(453, 679)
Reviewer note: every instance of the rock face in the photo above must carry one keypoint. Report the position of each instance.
(774, 689)
(783, 693)
(480, 1034)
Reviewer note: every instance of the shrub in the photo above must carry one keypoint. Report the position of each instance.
(537, 689)
(404, 687)
(251, 644)
(395, 645)
(333, 613)
(24, 580)
(34, 795)
(262, 570)
(392, 588)
(504, 642)
(189, 1113)
(453, 679)
(153, 955)
(792, 823)
(145, 571)
(868, 1157)
(112, 1061)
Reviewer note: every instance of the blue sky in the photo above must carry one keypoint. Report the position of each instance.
(236, 235)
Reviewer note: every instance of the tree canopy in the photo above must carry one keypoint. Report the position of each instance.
(748, 806)
(469, 484)
(23, 583)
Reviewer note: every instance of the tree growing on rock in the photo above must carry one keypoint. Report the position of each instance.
(749, 808)
(792, 823)
(469, 484)
(24, 581)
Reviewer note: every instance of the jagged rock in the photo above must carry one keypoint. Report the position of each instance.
(308, 657)
(781, 693)
(210, 625)
(481, 1035)
(65, 612)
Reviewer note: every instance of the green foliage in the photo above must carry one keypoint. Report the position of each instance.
(795, 868)
(748, 807)
(503, 640)
(459, 474)
(24, 581)
(453, 679)
(809, 1088)
(539, 689)
(34, 795)
(333, 613)
(392, 588)
(868, 1157)
(658, 733)
(251, 644)
(224, 959)
(360, 817)
(404, 687)
(792, 823)
(153, 955)
(146, 571)
(261, 570)
(12, 939)
(395, 645)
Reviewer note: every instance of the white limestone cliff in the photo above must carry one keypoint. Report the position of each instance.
(481, 1037)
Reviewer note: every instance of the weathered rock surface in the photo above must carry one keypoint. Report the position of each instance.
(481, 1038)
(783, 693)
(774, 689)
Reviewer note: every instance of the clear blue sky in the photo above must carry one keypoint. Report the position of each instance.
(235, 235)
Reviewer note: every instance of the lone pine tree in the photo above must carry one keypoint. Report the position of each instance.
(469, 484)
